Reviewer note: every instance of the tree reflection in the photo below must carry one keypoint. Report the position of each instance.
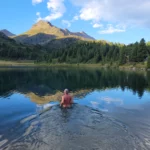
(48, 81)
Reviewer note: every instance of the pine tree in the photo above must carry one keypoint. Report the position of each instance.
(97, 57)
(142, 51)
(134, 52)
(122, 57)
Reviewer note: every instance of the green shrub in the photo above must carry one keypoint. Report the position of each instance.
(148, 63)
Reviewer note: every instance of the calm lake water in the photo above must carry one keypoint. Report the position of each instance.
(111, 110)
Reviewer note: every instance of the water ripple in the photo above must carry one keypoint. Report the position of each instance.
(80, 128)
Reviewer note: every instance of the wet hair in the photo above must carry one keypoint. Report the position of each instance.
(66, 91)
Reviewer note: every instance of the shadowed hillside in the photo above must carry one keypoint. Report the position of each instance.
(7, 33)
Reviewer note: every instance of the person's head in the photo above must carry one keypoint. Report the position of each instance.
(66, 91)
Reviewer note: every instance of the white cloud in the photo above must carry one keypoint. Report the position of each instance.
(128, 12)
(90, 12)
(53, 16)
(66, 22)
(56, 8)
(38, 13)
(39, 16)
(34, 2)
(110, 29)
(75, 18)
(69, 22)
(97, 25)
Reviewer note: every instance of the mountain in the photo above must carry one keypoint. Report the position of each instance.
(10, 49)
(7, 33)
(83, 34)
(4, 39)
(43, 32)
(54, 97)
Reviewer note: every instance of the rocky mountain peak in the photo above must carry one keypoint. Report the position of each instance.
(7, 33)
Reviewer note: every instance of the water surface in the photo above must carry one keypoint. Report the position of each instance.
(111, 110)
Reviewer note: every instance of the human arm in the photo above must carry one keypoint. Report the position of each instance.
(62, 101)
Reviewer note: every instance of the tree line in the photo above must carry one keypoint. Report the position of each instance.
(102, 52)
(78, 52)
(54, 80)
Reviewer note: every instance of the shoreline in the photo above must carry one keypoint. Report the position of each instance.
(31, 64)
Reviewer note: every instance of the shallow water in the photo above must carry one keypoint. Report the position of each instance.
(111, 110)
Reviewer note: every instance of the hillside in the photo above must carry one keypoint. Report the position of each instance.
(60, 43)
(5, 39)
(7, 33)
(12, 50)
(43, 32)
(74, 51)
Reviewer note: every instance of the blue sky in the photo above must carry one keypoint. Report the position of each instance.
(116, 21)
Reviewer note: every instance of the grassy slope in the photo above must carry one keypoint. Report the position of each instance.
(43, 32)
(26, 63)
(16, 63)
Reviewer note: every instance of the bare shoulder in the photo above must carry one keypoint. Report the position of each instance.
(69, 95)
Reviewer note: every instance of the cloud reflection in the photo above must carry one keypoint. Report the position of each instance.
(94, 104)
(110, 100)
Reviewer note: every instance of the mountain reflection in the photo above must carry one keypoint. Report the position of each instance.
(44, 85)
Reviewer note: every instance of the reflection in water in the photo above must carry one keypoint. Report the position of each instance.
(112, 100)
(41, 84)
(118, 116)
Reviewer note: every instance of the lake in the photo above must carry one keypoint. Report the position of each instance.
(111, 110)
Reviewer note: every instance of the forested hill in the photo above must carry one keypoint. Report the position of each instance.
(10, 49)
(75, 51)
(102, 52)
